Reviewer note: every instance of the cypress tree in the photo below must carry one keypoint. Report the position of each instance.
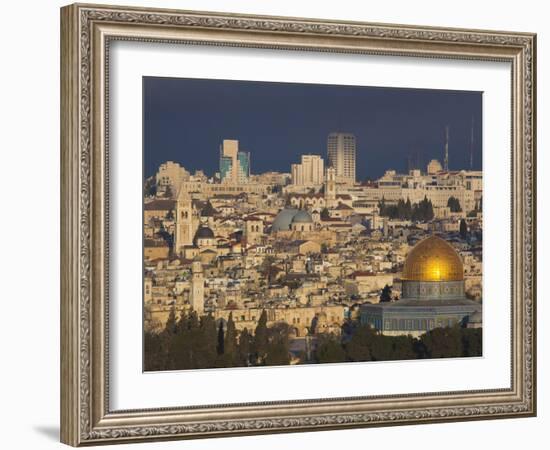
(220, 347)
(184, 352)
(206, 343)
(358, 347)
(171, 324)
(408, 209)
(261, 338)
(463, 229)
(385, 295)
(230, 343)
(243, 350)
(329, 350)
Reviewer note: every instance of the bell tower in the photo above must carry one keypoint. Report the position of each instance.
(187, 222)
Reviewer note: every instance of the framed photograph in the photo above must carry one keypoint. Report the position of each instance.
(274, 224)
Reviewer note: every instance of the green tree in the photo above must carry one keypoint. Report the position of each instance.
(408, 209)
(463, 229)
(403, 347)
(325, 214)
(244, 348)
(423, 211)
(366, 344)
(443, 342)
(381, 347)
(329, 349)
(382, 207)
(278, 351)
(358, 347)
(153, 352)
(171, 323)
(401, 205)
(261, 339)
(472, 342)
(454, 204)
(183, 351)
(206, 343)
(230, 343)
(221, 344)
(385, 295)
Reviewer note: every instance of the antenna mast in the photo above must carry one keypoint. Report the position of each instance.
(446, 160)
(472, 145)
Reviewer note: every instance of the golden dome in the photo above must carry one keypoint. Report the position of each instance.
(433, 259)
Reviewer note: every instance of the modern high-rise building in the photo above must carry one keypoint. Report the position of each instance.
(341, 152)
(243, 172)
(234, 164)
(310, 172)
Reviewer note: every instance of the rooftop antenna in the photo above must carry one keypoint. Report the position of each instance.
(446, 159)
(472, 145)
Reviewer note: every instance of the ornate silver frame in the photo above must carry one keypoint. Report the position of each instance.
(86, 31)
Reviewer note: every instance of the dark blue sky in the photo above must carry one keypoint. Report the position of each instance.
(185, 120)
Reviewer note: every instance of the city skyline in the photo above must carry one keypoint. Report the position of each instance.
(285, 257)
(213, 110)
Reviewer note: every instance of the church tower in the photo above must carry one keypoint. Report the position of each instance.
(197, 287)
(330, 188)
(187, 222)
(253, 231)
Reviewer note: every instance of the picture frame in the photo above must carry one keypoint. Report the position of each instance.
(87, 31)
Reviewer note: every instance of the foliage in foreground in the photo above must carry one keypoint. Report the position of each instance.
(193, 342)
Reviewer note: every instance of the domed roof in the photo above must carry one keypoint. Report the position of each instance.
(283, 219)
(205, 233)
(433, 259)
(302, 217)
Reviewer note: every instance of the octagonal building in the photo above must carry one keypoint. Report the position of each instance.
(432, 293)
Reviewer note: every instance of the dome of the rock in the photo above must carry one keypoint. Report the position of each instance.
(433, 259)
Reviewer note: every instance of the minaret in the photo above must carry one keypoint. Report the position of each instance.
(446, 159)
(330, 188)
(197, 287)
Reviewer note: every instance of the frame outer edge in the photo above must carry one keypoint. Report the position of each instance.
(533, 225)
(70, 298)
(79, 407)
